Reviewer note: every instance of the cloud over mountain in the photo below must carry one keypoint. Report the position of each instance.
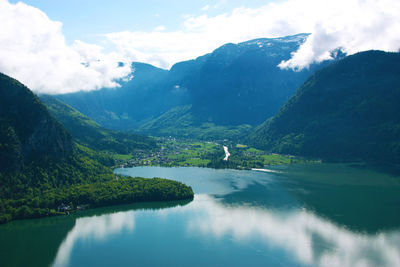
(33, 48)
(34, 51)
(352, 25)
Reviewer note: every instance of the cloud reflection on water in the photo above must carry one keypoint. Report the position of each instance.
(310, 238)
(204, 180)
(96, 228)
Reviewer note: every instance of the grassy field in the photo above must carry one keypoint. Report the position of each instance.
(240, 146)
(122, 156)
(191, 153)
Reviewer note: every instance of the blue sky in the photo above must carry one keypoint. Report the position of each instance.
(86, 20)
(61, 46)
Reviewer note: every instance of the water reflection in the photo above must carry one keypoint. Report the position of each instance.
(96, 228)
(362, 200)
(103, 224)
(309, 238)
(264, 212)
(204, 180)
(306, 237)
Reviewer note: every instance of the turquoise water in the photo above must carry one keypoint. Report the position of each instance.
(304, 215)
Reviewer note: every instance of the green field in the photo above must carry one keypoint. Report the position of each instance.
(122, 156)
(184, 153)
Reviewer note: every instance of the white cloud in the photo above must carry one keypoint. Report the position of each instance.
(353, 25)
(33, 50)
(313, 240)
(160, 28)
(220, 3)
(205, 8)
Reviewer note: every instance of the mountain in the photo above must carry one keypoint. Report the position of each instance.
(36, 152)
(241, 83)
(346, 111)
(89, 133)
(146, 95)
(27, 131)
(42, 168)
(235, 85)
(180, 121)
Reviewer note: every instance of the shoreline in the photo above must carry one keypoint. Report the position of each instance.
(265, 170)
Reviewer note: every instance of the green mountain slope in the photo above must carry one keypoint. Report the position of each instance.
(126, 107)
(89, 133)
(347, 111)
(37, 154)
(27, 131)
(41, 167)
(181, 121)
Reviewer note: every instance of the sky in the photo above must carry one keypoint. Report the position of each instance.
(62, 46)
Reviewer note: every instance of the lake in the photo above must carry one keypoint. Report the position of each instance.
(299, 215)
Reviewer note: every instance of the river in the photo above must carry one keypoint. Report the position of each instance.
(227, 154)
(301, 215)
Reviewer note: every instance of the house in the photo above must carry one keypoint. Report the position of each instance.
(63, 208)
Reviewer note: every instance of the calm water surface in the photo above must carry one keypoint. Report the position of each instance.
(302, 215)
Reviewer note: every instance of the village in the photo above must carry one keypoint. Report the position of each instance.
(172, 152)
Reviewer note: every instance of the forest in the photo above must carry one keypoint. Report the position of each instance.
(56, 201)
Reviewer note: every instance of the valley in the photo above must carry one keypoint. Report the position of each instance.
(43, 167)
(61, 148)
(219, 95)
(173, 152)
(269, 142)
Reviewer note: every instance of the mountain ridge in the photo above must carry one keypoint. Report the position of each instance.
(346, 111)
(89, 133)
(234, 85)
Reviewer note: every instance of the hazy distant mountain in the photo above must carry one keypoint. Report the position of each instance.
(241, 83)
(234, 85)
(347, 111)
(145, 96)
(180, 121)
(89, 133)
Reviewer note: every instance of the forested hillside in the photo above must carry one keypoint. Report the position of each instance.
(347, 111)
(27, 131)
(41, 167)
(146, 95)
(89, 133)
